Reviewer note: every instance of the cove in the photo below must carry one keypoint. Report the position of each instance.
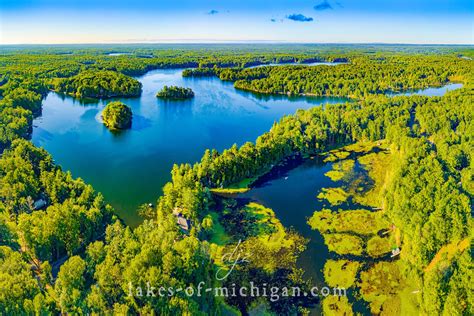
(291, 192)
(292, 196)
(130, 168)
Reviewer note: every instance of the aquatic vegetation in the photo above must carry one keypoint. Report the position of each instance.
(362, 222)
(335, 196)
(378, 166)
(344, 244)
(340, 170)
(364, 186)
(341, 273)
(335, 155)
(379, 246)
(336, 306)
(427, 190)
(265, 220)
(380, 284)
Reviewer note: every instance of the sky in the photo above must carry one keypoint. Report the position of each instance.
(197, 21)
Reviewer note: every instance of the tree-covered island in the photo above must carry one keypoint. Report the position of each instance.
(99, 84)
(117, 115)
(174, 92)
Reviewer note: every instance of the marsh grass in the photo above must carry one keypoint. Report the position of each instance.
(344, 244)
(336, 306)
(362, 222)
(380, 286)
(379, 246)
(341, 273)
(335, 196)
(239, 187)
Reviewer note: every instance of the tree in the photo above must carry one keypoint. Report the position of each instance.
(70, 285)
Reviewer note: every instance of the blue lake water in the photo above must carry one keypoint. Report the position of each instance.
(131, 167)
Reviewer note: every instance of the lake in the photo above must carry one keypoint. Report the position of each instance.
(292, 195)
(131, 167)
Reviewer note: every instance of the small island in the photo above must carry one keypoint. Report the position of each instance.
(174, 92)
(117, 115)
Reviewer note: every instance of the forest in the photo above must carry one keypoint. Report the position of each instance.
(64, 251)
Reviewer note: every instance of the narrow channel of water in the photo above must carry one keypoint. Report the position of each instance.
(292, 194)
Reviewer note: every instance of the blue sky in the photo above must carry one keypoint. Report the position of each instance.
(319, 21)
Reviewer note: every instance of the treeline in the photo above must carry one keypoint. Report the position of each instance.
(307, 132)
(228, 74)
(55, 214)
(361, 77)
(63, 251)
(114, 276)
(57, 63)
(48, 219)
(430, 199)
(21, 100)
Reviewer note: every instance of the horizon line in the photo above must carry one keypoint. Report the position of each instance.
(190, 42)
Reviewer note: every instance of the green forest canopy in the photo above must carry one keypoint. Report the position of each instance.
(84, 258)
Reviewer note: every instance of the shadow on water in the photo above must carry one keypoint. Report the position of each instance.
(140, 122)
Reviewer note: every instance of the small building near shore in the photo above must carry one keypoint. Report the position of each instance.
(182, 222)
(39, 204)
(395, 252)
